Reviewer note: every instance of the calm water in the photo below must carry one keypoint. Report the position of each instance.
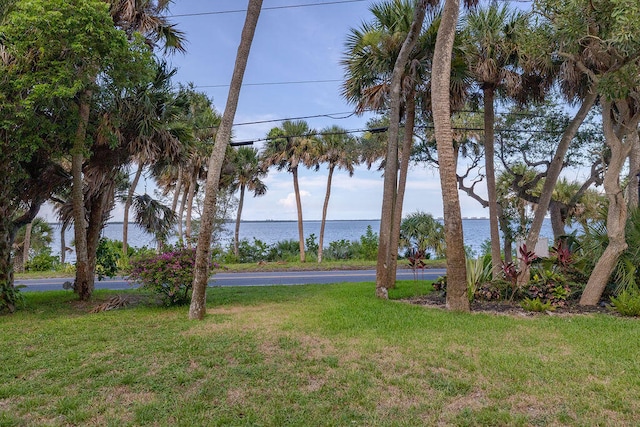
(476, 231)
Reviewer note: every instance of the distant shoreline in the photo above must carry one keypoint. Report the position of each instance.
(470, 218)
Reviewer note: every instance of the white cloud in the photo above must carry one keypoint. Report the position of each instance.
(289, 202)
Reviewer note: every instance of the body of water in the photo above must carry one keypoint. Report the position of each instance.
(476, 232)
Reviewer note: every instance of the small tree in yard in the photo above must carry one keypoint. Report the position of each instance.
(169, 274)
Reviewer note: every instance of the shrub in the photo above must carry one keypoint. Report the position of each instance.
(10, 297)
(311, 244)
(368, 247)
(43, 261)
(339, 249)
(284, 250)
(169, 274)
(107, 255)
(536, 305)
(627, 303)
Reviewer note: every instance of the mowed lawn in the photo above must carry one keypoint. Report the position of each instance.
(321, 355)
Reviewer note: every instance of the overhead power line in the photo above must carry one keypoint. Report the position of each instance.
(292, 6)
(297, 82)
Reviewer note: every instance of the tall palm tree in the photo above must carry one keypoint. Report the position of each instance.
(289, 146)
(247, 175)
(197, 308)
(371, 56)
(440, 103)
(157, 118)
(338, 150)
(492, 53)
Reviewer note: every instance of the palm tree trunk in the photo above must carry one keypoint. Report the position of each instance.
(296, 190)
(63, 243)
(616, 210)
(127, 205)
(489, 155)
(386, 253)
(176, 192)
(407, 145)
(198, 297)
(83, 286)
(190, 197)
(552, 178)
(236, 235)
(325, 206)
(181, 213)
(441, 74)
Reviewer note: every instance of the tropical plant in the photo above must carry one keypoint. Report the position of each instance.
(627, 303)
(287, 148)
(536, 305)
(420, 231)
(492, 53)
(338, 150)
(247, 175)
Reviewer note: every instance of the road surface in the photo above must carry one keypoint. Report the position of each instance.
(248, 279)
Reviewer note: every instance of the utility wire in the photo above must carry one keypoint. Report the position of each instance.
(384, 129)
(298, 82)
(292, 6)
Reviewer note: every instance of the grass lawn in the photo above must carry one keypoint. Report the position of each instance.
(321, 355)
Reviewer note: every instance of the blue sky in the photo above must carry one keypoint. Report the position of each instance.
(291, 44)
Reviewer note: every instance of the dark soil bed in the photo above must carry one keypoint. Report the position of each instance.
(436, 300)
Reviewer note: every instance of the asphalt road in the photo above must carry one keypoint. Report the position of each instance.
(248, 279)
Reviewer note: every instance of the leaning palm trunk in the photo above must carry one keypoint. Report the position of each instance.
(296, 190)
(127, 206)
(386, 253)
(325, 207)
(552, 178)
(198, 298)
(441, 74)
(190, 198)
(183, 202)
(84, 283)
(236, 234)
(407, 144)
(620, 143)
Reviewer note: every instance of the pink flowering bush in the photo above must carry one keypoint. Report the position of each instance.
(169, 274)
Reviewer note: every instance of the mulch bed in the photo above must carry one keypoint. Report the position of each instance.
(437, 300)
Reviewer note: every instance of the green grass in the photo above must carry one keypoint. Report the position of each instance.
(312, 355)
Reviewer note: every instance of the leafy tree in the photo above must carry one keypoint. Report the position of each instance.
(600, 47)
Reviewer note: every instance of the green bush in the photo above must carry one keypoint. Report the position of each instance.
(339, 250)
(107, 255)
(368, 246)
(284, 250)
(10, 297)
(43, 261)
(536, 305)
(627, 303)
(169, 274)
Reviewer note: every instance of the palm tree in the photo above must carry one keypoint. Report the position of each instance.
(372, 54)
(287, 147)
(440, 103)
(247, 175)
(157, 111)
(492, 54)
(154, 217)
(338, 150)
(197, 308)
